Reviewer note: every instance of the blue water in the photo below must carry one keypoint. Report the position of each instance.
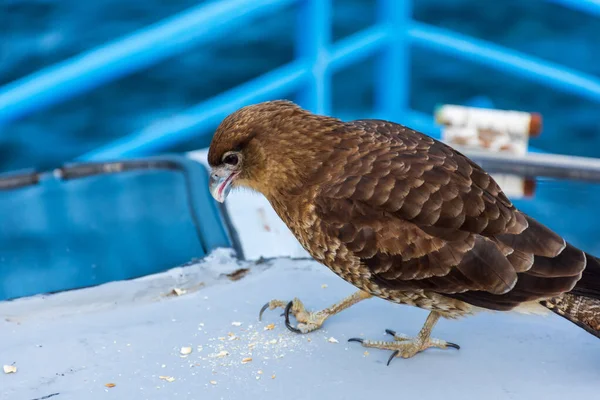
(38, 33)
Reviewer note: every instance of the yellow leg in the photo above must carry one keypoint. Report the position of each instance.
(310, 321)
(406, 347)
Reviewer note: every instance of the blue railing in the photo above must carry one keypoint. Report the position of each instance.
(309, 74)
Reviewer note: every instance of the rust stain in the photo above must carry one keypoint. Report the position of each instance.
(238, 274)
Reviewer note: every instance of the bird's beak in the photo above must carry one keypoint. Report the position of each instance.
(220, 183)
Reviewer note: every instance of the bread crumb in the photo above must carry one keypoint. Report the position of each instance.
(185, 351)
(235, 323)
(246, 360)
(269, 327)
(167, 378)
(324, 286)
(332, 340)
(10, 369)
(110, 385)
(273, 376)
(213, 382)
(222, 354)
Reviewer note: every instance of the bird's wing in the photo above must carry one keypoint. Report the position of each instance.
(420, 215)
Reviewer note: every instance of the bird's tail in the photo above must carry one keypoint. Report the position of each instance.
(581, 305)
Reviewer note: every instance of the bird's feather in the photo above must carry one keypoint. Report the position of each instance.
(428, 218)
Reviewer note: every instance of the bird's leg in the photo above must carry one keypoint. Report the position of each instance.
(310, 321)
(406, 347)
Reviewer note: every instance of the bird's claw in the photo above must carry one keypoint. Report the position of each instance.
(403, 345)
(271, 305)
(286, 312)
(392, 356)
(262, 310)
(307, 321)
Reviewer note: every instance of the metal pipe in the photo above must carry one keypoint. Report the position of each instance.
(313, 36)
(392, 90)
(171, 131)
(539, 165)
(357, 47)
(506, 60)
(126, 55)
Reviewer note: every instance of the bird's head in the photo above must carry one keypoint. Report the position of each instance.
(268, 147)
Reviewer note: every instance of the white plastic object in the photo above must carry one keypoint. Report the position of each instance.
(479, 129)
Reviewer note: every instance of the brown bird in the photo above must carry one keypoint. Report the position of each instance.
(402, 217)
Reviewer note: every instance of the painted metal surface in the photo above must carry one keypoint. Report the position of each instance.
(87, 224)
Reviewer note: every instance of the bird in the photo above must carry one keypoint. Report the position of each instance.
(402, 217)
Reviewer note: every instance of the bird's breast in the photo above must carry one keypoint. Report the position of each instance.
(300, 217)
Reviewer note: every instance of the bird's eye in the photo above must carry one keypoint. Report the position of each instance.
(231, 159)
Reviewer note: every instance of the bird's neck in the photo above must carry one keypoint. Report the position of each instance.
(298, 162)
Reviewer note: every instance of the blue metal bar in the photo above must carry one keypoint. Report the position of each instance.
(586, 6)
(281, 82)
(313, 35)
(357, 47)
(392, 91)
(506, 60)
(126, 55)
(191, 122)
(199, 119)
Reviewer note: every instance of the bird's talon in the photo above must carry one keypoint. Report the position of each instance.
(306, 321)
(286, 312)
(390, 332)
(271, 305)
(394, 355)
(262, 310)
(354, 339)
(453, 345)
